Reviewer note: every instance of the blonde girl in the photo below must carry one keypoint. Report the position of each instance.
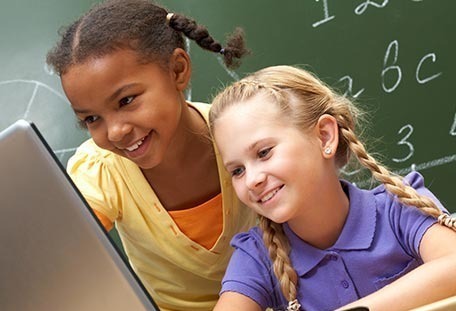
(322, 243)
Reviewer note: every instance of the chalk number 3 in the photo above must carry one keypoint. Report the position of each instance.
(408, 129)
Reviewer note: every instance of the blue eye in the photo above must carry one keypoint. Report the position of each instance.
(237, 171)
(264, 152)
(126, 100)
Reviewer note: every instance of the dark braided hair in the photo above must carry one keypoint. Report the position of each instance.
(140, 25)
(233, 51)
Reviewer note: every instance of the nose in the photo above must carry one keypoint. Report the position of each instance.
(117, 129)
(254, 178)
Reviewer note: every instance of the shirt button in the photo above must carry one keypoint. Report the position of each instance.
(344, 284)
(333, 257)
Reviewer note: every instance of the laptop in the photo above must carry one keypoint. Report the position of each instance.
(54, 253)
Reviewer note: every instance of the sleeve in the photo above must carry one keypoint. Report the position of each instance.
(95, 181)
(249, 271)
(410, 223)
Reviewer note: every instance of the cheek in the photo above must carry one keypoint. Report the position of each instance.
(100, 138)
(241, 191)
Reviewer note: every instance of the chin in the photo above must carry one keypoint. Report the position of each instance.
(278, 219)
(144, 164)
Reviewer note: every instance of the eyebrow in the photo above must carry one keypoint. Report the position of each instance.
(249, 149)
(80, 110)
(121, 90)
(112, 96)
(253, 145)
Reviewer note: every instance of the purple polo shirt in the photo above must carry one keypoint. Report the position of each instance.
(378, 244)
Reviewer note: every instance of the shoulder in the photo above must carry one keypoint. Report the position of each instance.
(379, 207)
(88, 149)
(250, 241)
(414, 180)
(96, 173)
(249, 254)
(380, 193)
(408, 223)
(203, 108)
(88, 152)
(91, 161)
(249, 271)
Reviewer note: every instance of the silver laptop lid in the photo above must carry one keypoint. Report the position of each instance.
(54, 253)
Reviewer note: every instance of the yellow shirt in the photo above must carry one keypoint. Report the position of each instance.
(179, 273)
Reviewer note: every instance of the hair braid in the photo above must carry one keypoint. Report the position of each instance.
(394, 184)
(279, 248)
(302, 99)
(235, 46)
(139, 25)
(195, 32)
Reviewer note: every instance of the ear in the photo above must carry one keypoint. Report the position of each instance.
(328, 134)
(180, 68)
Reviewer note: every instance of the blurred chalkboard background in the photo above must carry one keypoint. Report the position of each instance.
(396, 58)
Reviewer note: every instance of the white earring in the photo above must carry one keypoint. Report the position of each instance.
(328, 150)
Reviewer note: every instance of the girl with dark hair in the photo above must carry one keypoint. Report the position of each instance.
(149, 167)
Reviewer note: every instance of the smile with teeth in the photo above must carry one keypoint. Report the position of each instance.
(135, 145)
(269, 196)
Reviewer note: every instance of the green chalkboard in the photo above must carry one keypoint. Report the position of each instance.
(396, 58)
(28, 29)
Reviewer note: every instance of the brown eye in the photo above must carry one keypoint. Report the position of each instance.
(90, 119)
(126, 100)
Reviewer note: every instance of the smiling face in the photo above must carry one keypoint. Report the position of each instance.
(130, 108)
(277, 169)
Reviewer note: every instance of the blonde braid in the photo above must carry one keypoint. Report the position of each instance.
(394, 184)
(302, 99)
(278, 247)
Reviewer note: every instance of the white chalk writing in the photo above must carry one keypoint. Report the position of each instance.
(404, 141)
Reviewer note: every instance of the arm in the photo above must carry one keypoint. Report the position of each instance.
(248, 283)
(231, 301)
(97, 180)
(432, 281)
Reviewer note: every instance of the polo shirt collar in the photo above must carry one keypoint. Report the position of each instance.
(357, 233)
